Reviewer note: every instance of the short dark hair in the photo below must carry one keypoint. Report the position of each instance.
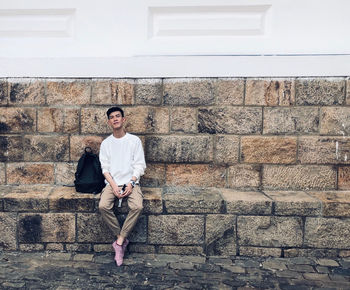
(114, 109)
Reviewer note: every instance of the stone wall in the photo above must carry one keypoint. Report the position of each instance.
(247, 134)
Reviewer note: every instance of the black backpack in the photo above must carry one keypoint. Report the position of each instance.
(89, 177)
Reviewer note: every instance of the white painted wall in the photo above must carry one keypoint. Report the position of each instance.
(158, 38)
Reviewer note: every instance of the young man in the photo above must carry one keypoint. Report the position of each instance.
(123, 162)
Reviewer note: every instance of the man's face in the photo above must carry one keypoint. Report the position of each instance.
(115, 120)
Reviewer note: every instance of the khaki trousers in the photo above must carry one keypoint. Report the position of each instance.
(106, 205)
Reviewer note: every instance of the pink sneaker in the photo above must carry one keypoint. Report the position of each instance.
(119, 253)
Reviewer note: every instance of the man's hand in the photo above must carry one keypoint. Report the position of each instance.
(127, 191)
(117, 191)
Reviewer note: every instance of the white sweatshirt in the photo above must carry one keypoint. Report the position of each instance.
(122, 158)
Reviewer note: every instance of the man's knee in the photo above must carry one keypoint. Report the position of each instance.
(136, 207)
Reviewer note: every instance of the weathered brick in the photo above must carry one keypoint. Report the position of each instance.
(230, 120)
(335, 121)
(46, 148)
(280, 150)
(91, 228)
(8, 225)
(113, 91)
(294, 203)
(148, 91)
(251, 202)
(226, 149)
(152, 200)
(54, 247)
(183, 120)
(80, 248)
(176, 229)
(334, 203)
(269, 231)
(244, 176)
(327, 233)
(71, 120)
(180, 250)
(4, 96)
(299, 253)
(259, 252)
(17, 120)
(188, 92)
(50, 120)
(147, 120)
(141, 248)
(64, 173)
(30, 173)
(228, 91)
(192, 200)
(344, 177)
(179, 149)
(78, 144)
(101, 91)
(320, 91)
(267, 92)
(11, 148)
(154, 175)
(27, 91)
(294, 120)
(31, 247)
(195, 175)
(2, 173)
(47, 227)
(296, 177)
(67, 199)
(68, 92)
(221, 236)
(94, 120)
(324, 150)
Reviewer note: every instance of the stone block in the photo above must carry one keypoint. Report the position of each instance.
(244, 176)
(46, 148)
(154, 175)
(228, 91)
(30, 173)
(220, 234)
(92, 229)
(54, 247)
(64, 173)
(31, 247)
(230, 120)
(101, 92)
(348, 92)
(296, 203)
(27, 199)
(152, 200)
(299, 253)
(246, 202)
(78, 144)
(4, 92)
(324, 150)
(17, 120)
(2, 173)
(68, 92)
(180, 250)
(176, 229)
(148, 91)
(269, 231)
(140, 248)
(175, 149)
(335, 121)
(50, 120)
(330, 233)
(259, 252)
(11, 148)
(63, 199)
(8, 225)
(139, 233)
(100, 248)
(226, 149)
(27, 92)
(113, 92)
(296, 120)
(280, 150)
(320, 91)
(188, 92)
(334, 203)
(343, 177)
(192, 200)
(183, 119)
(94, 120)
(267, 92)
(298, 177)
(147, 120)
(46, 228)
(205, 175)
(79, 248)
(71, 120)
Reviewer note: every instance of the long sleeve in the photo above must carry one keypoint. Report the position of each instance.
(139, 164)
(105, 161)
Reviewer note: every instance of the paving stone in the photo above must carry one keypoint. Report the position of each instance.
(274, 264)
(322, 269)
(327, 262)
(246, 202)
(334, 203)
(296, 203)
(83, 257)
(259, 252)
(301, 268)
(316, 276)
(192, 200)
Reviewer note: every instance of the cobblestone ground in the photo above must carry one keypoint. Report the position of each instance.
(86, 271)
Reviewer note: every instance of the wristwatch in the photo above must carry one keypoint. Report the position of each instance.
(132, 182)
